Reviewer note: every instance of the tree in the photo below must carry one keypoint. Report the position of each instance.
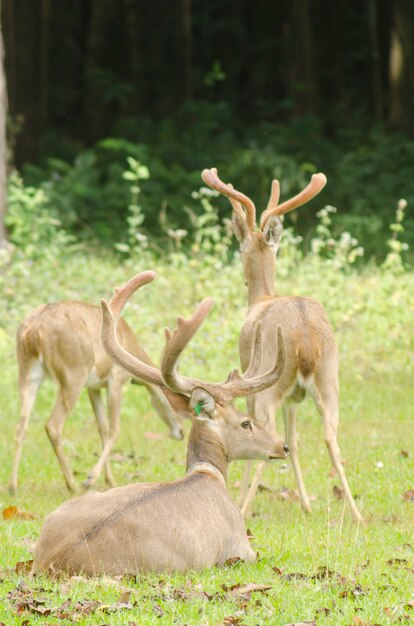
(3, 145)
(402, 67)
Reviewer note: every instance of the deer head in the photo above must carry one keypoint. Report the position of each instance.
(258, 246)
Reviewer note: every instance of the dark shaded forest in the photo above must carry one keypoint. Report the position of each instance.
(271, 88)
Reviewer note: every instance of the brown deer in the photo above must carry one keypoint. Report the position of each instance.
(63, 340)
(191, 523)
(312, 355)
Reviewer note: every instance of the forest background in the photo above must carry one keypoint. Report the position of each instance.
(259, 90)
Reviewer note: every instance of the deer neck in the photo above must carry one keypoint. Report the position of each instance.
(260, 283)
(206, 449)
(259, 265)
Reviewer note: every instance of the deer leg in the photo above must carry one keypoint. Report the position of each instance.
(253, 487)
(165, 411)
(68, 395)
(289, 416)
(244, 488)
(328, 405)
(30, 380)
(114, 392)
(95, 397)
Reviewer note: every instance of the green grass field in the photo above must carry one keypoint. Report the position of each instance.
(322, 568)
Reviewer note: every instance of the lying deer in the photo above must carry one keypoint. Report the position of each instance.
(312, 355)
(191, 523)
(63, 341)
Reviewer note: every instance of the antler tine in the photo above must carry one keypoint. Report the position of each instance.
(274, 196)
(243, 385)
(210, 177)
(110, 317)
(125, 291)
(237, 207)
(255, 352)
(317, 183)
(175, 343)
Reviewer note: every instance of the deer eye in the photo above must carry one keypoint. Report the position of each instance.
(246, 424)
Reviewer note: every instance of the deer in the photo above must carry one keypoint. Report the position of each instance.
(191, 523)
(62, 340)
(312, 354)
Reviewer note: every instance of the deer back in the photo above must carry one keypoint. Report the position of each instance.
(310, 345)
(66, 337)
(188, 524)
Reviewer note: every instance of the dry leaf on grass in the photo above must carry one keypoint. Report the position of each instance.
(358, 621)
(338, 492)
(397, 562)
(294, 576)
(288, 494)
(23, 567)
(232, 620)
(354, 592)
(323, 610)
(116, 606)
(124, 597)
(232, 561)
(159, 612)
(245, 592)
(408, 495)
(248, 589)
(12, 512)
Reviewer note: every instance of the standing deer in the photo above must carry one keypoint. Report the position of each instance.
(191, 523)
(63, 341)
(312, 355)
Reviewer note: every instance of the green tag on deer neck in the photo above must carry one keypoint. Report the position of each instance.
(198, 407)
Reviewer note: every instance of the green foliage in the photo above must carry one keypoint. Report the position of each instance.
(368, 170)
(33, 225)
(394, 259)
(137, 241)
(342, 252)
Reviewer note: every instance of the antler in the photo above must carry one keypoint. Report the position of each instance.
(236, 384)
(237, 198)
(110, 317)
(317, 183)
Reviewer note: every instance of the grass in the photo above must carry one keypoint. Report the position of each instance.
(321, 568)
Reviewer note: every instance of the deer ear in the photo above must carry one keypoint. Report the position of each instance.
(203, 404)
(240, 228)
(272, 231)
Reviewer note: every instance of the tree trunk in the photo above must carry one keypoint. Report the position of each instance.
(402, 67)
(99, 44)
(3, 144)
(376, 60)
(185, 32)
(304, 89)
